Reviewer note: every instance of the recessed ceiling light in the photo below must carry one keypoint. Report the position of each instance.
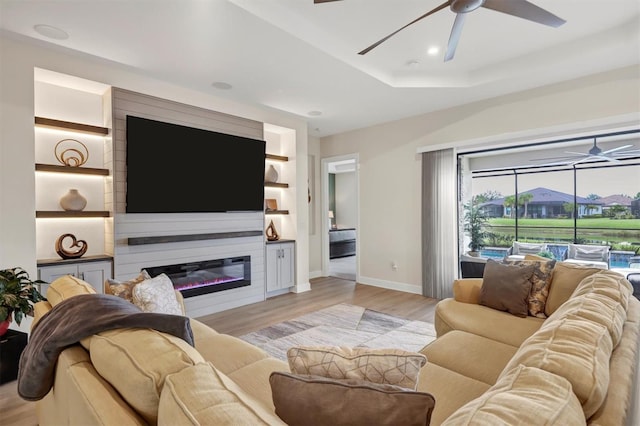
(221, 85)
(433, 51)
(51, 32)
(315, 113)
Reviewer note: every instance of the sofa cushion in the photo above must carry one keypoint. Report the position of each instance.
(302, 400)
(450, 389)
(540, 280)
(157, 295)
(596, 308)
(577, 350)
(524, 396)
(609, 284)
(506, 287)
(384, 366)
(136, 361)
(124, 289)
(199, 395)
(471, 355)
(483, 321)
(254, 379)
(67, 286)
(564, 280)
(227, 353)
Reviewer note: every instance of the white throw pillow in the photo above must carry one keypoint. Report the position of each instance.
(157, 295)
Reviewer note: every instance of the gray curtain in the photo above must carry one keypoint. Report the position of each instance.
(439, 223)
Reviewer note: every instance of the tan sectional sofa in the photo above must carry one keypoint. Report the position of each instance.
(485, 367)
(589, 340)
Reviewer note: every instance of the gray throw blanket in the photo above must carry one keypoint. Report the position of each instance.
(76, 318)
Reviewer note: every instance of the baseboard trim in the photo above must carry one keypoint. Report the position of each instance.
(301, 288)
(390, 285)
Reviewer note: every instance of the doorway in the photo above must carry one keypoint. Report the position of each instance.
(340, 217)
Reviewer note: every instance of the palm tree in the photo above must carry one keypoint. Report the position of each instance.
(525, 199)
(510, 202)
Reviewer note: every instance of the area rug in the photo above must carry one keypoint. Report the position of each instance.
(343, 325)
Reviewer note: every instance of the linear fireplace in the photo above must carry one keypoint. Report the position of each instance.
(207, 276)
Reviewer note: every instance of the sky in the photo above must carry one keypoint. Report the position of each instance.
(603, 182)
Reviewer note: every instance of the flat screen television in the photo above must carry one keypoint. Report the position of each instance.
(179, 169)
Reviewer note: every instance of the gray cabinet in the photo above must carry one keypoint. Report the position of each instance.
(95, 273)
(280, 265)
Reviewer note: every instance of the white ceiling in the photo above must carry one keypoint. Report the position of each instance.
(299, 57)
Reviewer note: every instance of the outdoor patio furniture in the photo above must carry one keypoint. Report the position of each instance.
(634, 262)
(472, 267)
(583, 254)
(518, 250)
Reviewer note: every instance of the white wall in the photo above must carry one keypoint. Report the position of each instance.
(346, 200)
(17, 181)
(390, 168)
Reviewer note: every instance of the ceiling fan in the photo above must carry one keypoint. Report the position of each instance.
(520, 8)
(594, 154)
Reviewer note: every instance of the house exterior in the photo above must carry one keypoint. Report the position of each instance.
(611, 202)
(545, 203)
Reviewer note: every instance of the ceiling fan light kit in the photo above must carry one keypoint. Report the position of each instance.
(518, 8)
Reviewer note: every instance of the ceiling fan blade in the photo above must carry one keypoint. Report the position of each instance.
(583, 154)
(525, 10)
(456, 31)
(378, 43)
(609, 151)
(607, 158)
(323, 1)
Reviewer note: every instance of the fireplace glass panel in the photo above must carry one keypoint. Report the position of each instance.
(208, 276)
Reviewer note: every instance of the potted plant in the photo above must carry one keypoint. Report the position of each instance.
(474, 221)
(17, 295)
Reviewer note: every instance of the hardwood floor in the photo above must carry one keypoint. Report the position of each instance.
(324, 292)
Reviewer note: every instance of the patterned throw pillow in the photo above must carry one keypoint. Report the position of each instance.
(383, 366)
(157, 295)
(540, 281)
(124, 289)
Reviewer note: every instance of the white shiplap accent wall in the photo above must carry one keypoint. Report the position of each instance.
(129, 260)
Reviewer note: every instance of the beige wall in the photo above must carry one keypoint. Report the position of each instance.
(17, 180)
(390, 169)
(346, 200)
(315, 226)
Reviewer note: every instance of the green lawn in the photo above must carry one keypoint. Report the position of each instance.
(591, 231)
(568, 223)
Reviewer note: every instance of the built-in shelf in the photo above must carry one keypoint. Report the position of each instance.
(68, 125)
(277, 157)
(70, 169)
(276, 185)
(276, 212)
(62, 214)
(83, 259)
(137, 241)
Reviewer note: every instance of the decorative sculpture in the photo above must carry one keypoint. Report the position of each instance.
(74, 156)
(272, 234)
(64, 253)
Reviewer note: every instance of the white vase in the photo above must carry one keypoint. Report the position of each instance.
(271, 175)
(73, 201)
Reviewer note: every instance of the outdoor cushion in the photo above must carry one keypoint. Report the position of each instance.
(588, 252)
(527, 248)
